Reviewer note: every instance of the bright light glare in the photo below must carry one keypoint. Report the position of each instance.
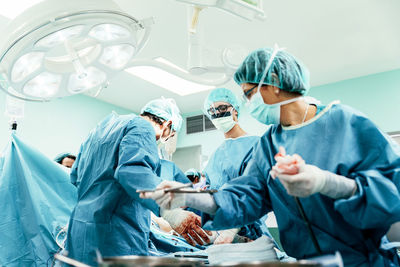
(44, 85)
(11, 9)
(117, 56)
(94, 78)
(109, 32)
(60, 36)
(166, 62)
(26, 65)
(167, 80)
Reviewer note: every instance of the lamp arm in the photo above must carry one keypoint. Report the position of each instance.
(182, 74)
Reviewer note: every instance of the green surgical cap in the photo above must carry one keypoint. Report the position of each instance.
(166, 109)
(223, 95)
(193, 172)
(291, 74)
(61, 156)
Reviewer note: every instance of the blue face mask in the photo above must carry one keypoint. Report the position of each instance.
(265, 113)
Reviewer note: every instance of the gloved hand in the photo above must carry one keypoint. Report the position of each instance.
(188, 225)
(312, 179)
(303, 180)
(166, 200)
(226, 236)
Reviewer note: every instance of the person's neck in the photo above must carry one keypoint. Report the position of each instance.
(296, 113)
(235, 132)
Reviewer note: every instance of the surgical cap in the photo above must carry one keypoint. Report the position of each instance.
(61, 156)
(192, 172)
(223, 95)
(292, 75)
(166, 109)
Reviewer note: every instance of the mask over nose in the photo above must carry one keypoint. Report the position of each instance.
(224, 124)
(265, 113)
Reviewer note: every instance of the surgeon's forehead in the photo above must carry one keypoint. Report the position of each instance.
(218, 103)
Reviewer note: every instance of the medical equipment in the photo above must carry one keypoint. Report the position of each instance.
(246, 9)
(172, 189)
(137, 261)
(59, 48)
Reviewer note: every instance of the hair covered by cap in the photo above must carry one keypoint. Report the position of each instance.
(166, 109)
(193, 171)
(286, 72)
(223, 95)
(62, 156)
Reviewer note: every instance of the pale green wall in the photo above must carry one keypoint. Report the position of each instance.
(378, 96)
(59, 125)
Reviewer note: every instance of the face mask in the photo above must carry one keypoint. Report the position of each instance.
(224, 124)
(162, 140)
(265, 113)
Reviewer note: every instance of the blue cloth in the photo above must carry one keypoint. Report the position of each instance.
(228, 162)
(339, 140)
(119, 156)
(166, 243)
(171, 172)
(37, 199)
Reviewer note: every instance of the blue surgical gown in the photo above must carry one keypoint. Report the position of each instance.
(228, 162)
(119, 156)
(340, 140)
(171, 172)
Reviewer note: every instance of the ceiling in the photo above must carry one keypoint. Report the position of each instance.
(337, 40)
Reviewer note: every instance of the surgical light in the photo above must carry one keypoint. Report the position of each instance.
(109, 32)
(93, 78)
(59, 48)
(60, 36)
(26, 65)
(246, 9)
(117, 56)
(44, 85)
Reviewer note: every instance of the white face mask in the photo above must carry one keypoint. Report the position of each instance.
(224, 124)
(163, 140)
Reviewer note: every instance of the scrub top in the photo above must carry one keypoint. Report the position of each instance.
(340, 140)
(119, 156)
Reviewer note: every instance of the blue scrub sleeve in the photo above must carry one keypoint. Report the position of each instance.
(137, 162)
(179, 176)
(241, 201)
(376, 203)
(74, 170)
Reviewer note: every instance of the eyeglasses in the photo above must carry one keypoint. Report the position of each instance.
(221, 109)
(246, 94)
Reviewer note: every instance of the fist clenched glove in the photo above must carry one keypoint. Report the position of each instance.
(226, 236)
(303, 180)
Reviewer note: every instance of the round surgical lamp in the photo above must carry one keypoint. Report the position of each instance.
(59, 48)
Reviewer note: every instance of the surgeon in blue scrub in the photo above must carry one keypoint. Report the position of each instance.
(349, 186)
(119, 157)
(231, 158)
(171, 172)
